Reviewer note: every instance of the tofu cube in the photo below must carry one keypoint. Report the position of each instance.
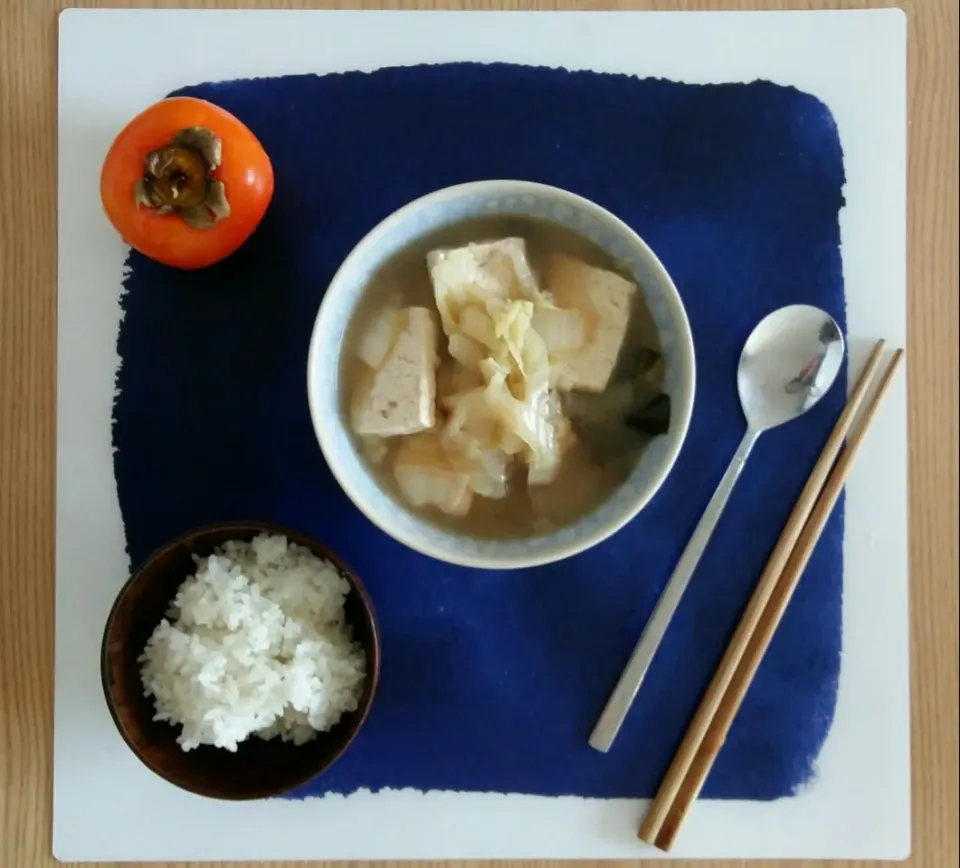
(466, 276)
(606, 301)
(399, 396)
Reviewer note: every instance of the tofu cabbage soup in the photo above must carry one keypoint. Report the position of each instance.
(502, 377)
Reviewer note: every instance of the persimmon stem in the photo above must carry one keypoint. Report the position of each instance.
(177, 178)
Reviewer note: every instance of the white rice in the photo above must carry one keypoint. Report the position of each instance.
(255, 644)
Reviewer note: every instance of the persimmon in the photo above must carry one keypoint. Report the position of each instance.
(186, 183)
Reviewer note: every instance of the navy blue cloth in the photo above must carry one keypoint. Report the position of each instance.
(493, 681)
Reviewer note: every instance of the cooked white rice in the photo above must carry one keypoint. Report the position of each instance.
(255, 644)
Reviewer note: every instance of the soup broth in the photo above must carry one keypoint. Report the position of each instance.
(595, 403)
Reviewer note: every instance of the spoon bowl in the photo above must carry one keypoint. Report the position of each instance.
(788, 364)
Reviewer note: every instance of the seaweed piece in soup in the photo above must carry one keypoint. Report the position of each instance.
(652, 419)
(623, 418)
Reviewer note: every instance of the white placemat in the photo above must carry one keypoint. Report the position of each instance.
(109, 807)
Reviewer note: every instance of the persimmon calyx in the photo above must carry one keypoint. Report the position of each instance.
(177, 179)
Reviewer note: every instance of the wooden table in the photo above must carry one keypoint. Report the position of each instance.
(28, 381)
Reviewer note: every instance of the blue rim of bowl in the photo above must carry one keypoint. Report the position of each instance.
(683, 408)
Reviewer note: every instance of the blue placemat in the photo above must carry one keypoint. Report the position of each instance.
(492, 681)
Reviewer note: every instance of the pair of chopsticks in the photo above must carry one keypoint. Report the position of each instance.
(708, 730)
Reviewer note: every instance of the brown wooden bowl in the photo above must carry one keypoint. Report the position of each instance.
(258, 769)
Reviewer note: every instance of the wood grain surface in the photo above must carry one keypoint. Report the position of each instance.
(28, 70)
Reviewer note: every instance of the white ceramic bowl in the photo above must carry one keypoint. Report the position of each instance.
(424, 216)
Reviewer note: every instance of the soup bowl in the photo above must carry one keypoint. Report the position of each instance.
(435, 212)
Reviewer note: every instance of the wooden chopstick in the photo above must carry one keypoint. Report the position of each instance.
(756, 647)
(656, 814)
(708, 729)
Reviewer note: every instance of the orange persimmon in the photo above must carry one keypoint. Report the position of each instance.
(186, 183)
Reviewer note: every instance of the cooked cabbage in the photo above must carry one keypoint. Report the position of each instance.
(453, 378)
(427, 477)
(471, 439)
(466, 351)
(564, 330)
(488, 301)
(377, 340)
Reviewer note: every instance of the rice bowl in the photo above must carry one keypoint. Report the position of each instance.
(256, 644)
(260, 767)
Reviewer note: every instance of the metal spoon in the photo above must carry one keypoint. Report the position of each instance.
(788, 363)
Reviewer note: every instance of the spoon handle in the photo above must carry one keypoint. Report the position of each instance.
(615, 711)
